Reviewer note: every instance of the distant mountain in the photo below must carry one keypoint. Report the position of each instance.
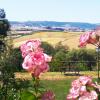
(80, 25)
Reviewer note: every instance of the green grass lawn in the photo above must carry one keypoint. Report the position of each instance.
(59, 87)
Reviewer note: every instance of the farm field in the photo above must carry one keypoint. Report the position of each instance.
(70, 39)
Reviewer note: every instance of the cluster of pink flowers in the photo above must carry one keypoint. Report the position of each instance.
(88, 38)
(35, 60)
(83, 89)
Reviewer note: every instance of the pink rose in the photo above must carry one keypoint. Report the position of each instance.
(74, 93)
(35, 63)
(92, 38)
(89, 96)
(86, 96)
(35, 60)
(28, 63)
(82, 90)
(89, 37)
(40, 69)
(32, 60)
(29, 46)
(83, 39)
(85, 80)
(94, 95)
(38, 58)
(71, 97)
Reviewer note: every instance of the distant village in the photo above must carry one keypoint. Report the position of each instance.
(30, 29)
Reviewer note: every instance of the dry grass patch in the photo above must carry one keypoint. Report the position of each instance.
(68, 38)
(54, 75)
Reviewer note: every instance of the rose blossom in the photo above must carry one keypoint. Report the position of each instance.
(80, 90)
(85, 80)
(36, 63)
(29, 46)
(89, 96)
(94, 95)
(88, 38)
(28, 63)
(83, 39)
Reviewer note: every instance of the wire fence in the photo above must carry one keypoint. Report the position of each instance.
(76, 66)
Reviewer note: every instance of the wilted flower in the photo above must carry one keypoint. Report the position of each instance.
(48, 95)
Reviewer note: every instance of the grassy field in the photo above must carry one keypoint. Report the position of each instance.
(59, 87)
(70, 39)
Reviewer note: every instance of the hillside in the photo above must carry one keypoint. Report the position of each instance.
(70, 39)
(80, 25)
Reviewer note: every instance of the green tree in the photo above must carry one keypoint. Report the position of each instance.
(7, 69)
(57, 61)
(17, 59)
(48, 48)
(60, 47)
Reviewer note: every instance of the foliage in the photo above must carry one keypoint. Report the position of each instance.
(48, 48)
(17, 59)
(4, 27)
(7, 69)
(85, 58)
(60, 47)
(56, 63)
(59, 56)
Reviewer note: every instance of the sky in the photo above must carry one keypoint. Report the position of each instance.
(52, 10)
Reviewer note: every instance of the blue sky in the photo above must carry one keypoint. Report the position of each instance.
(52, 10)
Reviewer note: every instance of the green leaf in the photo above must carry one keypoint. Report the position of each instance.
(25, 95)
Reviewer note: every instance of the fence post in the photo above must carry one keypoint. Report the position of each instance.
(98, 50)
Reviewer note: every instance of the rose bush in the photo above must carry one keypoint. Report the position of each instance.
(36, 62)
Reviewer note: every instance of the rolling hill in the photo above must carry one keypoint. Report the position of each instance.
(70, 39)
